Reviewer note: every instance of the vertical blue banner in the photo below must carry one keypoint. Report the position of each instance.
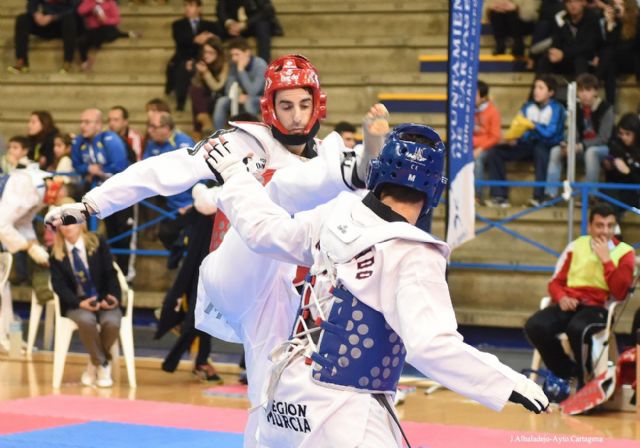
(464, 45)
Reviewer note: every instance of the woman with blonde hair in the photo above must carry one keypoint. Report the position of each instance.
(86, 282)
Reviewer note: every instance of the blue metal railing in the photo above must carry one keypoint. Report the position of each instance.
(583, 190)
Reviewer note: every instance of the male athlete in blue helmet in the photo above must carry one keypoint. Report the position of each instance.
(375, 297)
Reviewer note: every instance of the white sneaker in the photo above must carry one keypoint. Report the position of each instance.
(104, 376)
(88, 377)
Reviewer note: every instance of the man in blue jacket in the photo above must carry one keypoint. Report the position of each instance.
(98, 155)
(164, 137)
(47, 19)
(548, 117)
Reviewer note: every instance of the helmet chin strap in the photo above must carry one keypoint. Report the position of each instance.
(295, 139)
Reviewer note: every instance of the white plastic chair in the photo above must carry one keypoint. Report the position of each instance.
(65, 327)
(6, 307)
(599, 342)
(34, 321)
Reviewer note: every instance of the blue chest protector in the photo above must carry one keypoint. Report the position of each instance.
(357, 349)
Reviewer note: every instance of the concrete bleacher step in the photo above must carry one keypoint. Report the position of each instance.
(488, 63)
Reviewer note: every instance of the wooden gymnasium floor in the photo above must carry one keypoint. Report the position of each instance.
(27, 379)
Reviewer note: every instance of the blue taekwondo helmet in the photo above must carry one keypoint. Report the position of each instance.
(412, 156)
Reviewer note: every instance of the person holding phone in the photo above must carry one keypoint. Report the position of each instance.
(85, 280)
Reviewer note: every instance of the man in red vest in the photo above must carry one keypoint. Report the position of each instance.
(590, 271)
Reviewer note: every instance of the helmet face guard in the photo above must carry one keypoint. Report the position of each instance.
(418, 165)
(291, 72)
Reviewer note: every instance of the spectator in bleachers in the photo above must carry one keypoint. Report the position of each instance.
(576, 39)
(83, 277)
(62, 155)
(118, 118)
(189, 33)
(594, 125)
(41, 130)
(623, 164)
(164, 137)
(210, 76)
(96, 156)
(541, 37)
(591, 269)
(16, 155)
(156, 105)
(247, 74)
(348, 133)
(250, 18)
(511, 19)
(545, 119)
(486, 131)
(47, 19)
(621, 49)
(101, 20)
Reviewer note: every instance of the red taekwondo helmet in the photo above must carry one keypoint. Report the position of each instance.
(290, 72)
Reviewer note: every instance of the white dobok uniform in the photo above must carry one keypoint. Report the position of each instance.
(242, 296)
(389, 279)
(21, 199)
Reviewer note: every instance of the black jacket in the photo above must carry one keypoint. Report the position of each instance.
(183, 36)
(102, 272)
(577, 40)
(256, 10)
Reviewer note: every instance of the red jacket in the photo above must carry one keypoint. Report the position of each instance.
(618, 278)
(89, 10)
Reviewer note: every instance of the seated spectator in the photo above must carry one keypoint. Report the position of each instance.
(542, 29)
(250, 18)
(247, 73)
(96, 156)
(594, 125)
(83, 277)
(164, 137)
(118, 118)
(621, 50)
(575, 41)
(592, 269)
(511, 19)
(23, 193)
(16, 155)
(47, 19)
(546, 117)
(623, 164)
(41, 130)
(348, 133)
(62, 152)
(189, 33)
(101, 20)
(210, 76)
(486, 130)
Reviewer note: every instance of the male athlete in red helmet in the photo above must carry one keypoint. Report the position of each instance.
(244, 296)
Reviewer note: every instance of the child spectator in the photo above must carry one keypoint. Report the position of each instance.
(486, 131)
(594, 124)
(246, 72)
(210, 75)
(511, 19)
(623, 164)
(41, 130)
(546, 118)
(575, 41)
(16, 156)
(101, 20)
(62, 152)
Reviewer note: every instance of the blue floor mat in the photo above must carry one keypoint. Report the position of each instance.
(119, 435)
